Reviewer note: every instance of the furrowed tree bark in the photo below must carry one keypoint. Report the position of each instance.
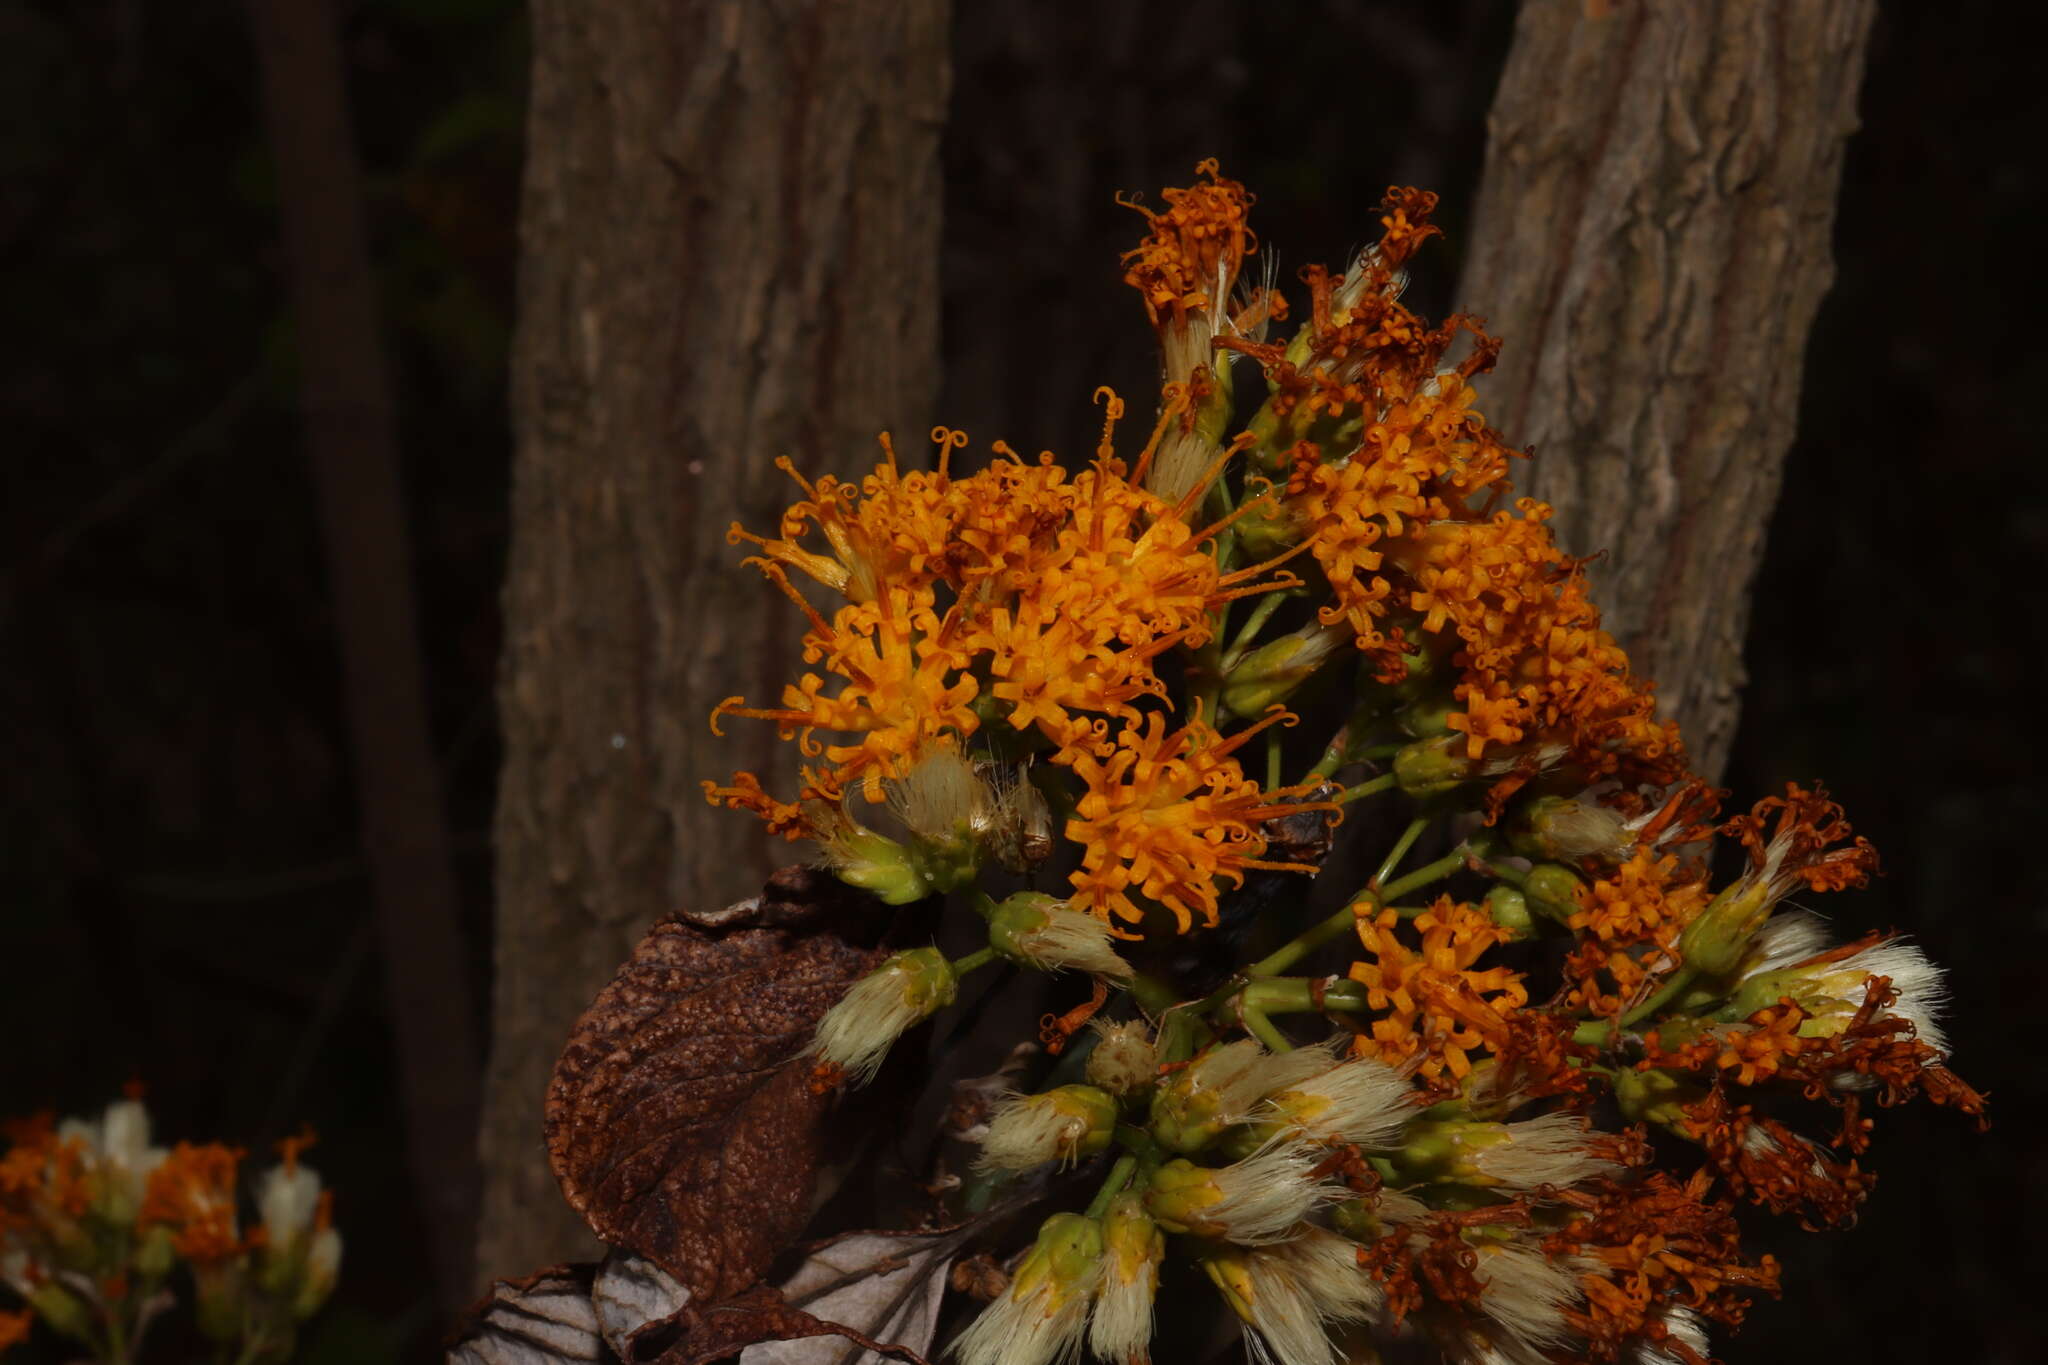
(729, 253)
(1652, 242)
(352, 443)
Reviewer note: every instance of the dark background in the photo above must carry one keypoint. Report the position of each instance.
(181, 895)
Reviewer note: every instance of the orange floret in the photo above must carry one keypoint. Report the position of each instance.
(1436, 1006)
(1191, 257)
(192, 1193)
(1647, 900)
(1168, 815)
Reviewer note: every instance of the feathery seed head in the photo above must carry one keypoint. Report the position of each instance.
(1064, 1124)
(1124, 1060)
(908, 988)
(1043, 932)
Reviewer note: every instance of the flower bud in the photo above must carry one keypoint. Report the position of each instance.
(155, 1253)
(1553, 1150)
(322, 1266)
(908, 988)
(219, 1291)
(1271, 673)
(947, 809)
(1714, 943)
(1292, 1293)
(1363, 1102)
(1260, 1199)
(860, 857)
(1833, 987)
(1192, 1106)
(1043, 932)
(1133, 1246)
(1553, 892)
(1656, 1096)
(1431, 767)
(66, 1313)
(1560, 829)
(1064, 1124)
(1124, 1060)
(1427, 717)
(1510, 910)
(1041, 1316)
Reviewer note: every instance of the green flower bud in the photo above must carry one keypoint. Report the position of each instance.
(1656, 1096)
(1065, 1258)
(1045, 933)
(1553, 892)
(1510, 910)
(1064, 1124)
(1272, 672)
(1124, 1060)
(860, 857)
(155, 1257)
(1427, 717)
(857, 1033)
(1431, 767)
(1559, 829)
(67, 1314)
(1714, 943)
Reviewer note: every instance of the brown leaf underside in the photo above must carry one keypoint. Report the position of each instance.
(680, 1122)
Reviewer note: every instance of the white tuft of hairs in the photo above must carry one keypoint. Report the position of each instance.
(1526, 1292)
(1923, 995)
(1364, 1102)
(1785, 939)
(857, 1033)
(1030, 1130)
(1300, 1289)
(1269, 1192)
(1040, 1327)
(1553, 1150)
(1121, 1329)
(1685, 1326)
(940, 796)
(1071, 939)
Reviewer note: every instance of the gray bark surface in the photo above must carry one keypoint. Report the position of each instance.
(1652, 241)
(729, 253)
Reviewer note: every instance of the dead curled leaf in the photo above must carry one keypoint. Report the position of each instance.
(853, 1301)
(545, 1319)
(680, 1121)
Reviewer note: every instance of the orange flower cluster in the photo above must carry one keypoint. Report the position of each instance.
(1188, 261)
(42, 1176)
(1661, 1246)
(1169, 814)
(1083, 621)
(192, 1195)
(1438, 1006)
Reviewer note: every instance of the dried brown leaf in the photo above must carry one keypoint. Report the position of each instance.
(544, 1319)
(762, 1315)
(680, 1121)
(886, 1285)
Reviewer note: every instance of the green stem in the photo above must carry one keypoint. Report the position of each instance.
(1366, 788)
(1154, 996)
(1400, 850)
(1296, 995)
(1260, 1027)
(980, 957)
(1604, 1031)
(1424, 875)
(1272, 758)
(1241, 644)
(1119, 1176)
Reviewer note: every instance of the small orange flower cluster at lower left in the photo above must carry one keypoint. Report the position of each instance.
(95, 1222)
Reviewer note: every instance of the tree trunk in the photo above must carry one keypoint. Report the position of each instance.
(351, 440)
(1652, 242)
(730, 253)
